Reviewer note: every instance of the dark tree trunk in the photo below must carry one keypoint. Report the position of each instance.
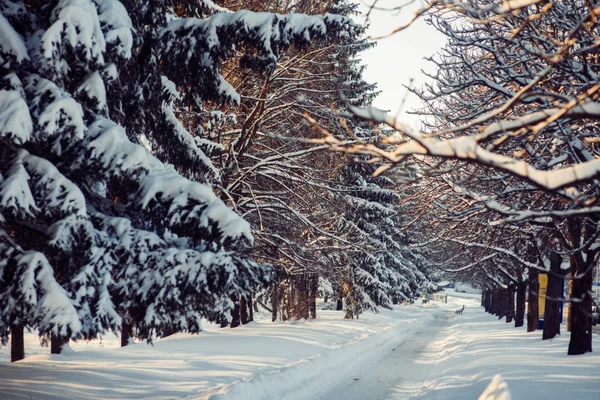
(492, 302)
(169, 330)
(497, 304)
(569, 304)
(235, 312)
(251, 304)
(243, 310)
(313, 296)
(501, 303)
(339, 305)
(126, 332)
(520, 312)
(510, 303)
(483, 298)
(286, 302)
(553, 294)
(56, 343)
(533, 309)
(17, 343)
(274, 302)
(581, 309)
(302, 297)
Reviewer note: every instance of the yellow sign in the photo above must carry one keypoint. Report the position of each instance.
(543, 278)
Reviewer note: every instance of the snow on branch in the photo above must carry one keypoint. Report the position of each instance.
(198, 45)
(468, 148)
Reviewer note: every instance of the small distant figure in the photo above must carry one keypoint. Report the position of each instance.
(460, 311)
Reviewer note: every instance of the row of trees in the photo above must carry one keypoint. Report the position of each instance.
(143, 182)
(509, 152)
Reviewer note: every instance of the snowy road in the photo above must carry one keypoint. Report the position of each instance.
(395, 372)
(416, 352)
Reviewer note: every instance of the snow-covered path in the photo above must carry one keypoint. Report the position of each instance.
(416, 352)
(395, 370)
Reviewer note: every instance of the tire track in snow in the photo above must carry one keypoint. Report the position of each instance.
(395, 371)
(323, 373)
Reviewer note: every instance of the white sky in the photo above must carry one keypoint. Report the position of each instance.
(399, 58)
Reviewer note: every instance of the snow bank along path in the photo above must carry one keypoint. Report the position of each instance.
(256, 361)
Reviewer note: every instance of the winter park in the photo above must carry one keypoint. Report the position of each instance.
(300, 199)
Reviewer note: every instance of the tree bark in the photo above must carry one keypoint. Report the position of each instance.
(314, 287)
(126, 332)
(501, 303)
(553, 294)
(56, 343)
(339, 305)
(569, 306)
(243, 310)
(17, 343)
(302, 297)
(582, 262)
(274, 302)
(251, 303)
(581, 309)
(487, 300)
(533, 309)
(235, 312)
(520, 312)
(492, 305)
(510, 303)
(286, 300)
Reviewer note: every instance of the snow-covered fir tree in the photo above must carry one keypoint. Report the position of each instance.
(103, 219)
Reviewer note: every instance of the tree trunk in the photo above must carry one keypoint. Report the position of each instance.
(581, 311)
(533, 309)
(496, 303)
(492, 302)
(313, 296)
(302, 298)
(483, 298)
(56, 343)
(487, 300)
(339, 306)
(17, 343)
(349, 309)
(243, 310)
(553, 294)
(235, 312)
(520, 312)
(510, 303)
(286, 300)
(169, 330)
(569, 306)
(274, 302)
(251, 303)
(501, 303)
(126, 332)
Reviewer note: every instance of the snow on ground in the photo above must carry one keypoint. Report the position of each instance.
(416, 351)
(477, 346)
(246, 362)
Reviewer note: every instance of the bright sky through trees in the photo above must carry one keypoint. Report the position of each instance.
(399, 58)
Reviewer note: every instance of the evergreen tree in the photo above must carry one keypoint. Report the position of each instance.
(102, 217)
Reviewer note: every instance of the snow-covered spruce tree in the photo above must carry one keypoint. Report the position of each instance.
(380, 269)
(97, 230)
(283, 188)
